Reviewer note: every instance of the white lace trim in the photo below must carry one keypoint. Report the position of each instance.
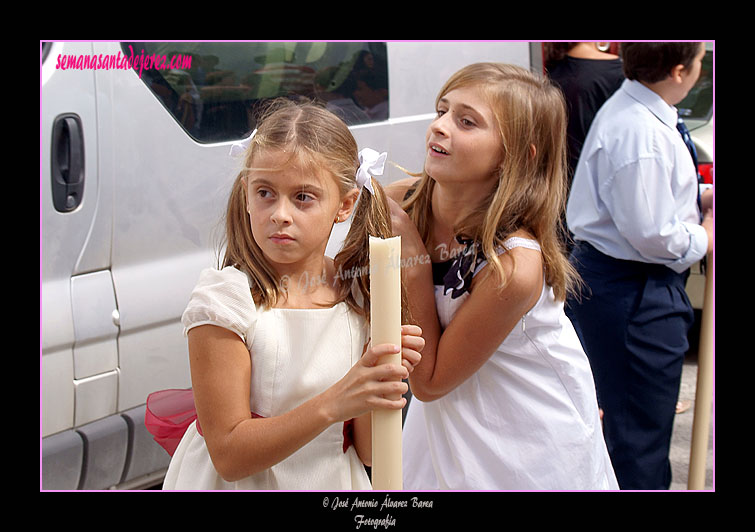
(519, 242)
(511, 243)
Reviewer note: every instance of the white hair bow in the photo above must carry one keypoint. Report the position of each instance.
(240, 147)
(370, 163)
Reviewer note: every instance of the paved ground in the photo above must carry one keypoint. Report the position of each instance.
(682, 436)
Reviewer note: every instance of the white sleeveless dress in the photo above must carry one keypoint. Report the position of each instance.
(295, 354)
(526, 420)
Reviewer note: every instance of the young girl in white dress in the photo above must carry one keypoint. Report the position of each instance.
(503, 398)
(282, 377)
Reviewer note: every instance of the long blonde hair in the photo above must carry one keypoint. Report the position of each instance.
(314, 138)
(531, 189)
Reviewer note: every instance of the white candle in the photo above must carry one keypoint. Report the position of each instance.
(385, 313)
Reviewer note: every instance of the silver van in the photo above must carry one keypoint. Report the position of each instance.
(134, 178)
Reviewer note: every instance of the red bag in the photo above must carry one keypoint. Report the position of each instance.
(169, 413)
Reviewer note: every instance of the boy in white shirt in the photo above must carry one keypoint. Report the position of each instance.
(636, 220)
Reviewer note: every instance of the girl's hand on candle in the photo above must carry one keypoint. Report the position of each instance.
(368, 386)
(412, 344)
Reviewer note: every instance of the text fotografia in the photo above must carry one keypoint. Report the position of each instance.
(123, 62)
(387, 503)
(306, 282)
(442, 252)
(359, 506)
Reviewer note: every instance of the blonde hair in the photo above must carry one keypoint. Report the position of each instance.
(315, 139)
(531, 189)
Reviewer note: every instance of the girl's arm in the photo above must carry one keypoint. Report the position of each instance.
(241, 446)
(417, 276)
(479, 326)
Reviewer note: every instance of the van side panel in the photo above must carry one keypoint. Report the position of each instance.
(64, 234)
(170, 193)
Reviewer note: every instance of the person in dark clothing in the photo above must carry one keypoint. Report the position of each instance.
(587, 76)
(639, 222)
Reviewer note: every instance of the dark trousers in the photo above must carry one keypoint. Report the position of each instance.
(633, 319)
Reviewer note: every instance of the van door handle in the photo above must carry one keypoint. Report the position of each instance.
(67, 162)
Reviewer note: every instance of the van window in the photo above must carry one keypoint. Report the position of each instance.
(212, 88)
(697, 106)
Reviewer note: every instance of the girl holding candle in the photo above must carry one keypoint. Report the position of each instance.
(504, 395)
(282, 377)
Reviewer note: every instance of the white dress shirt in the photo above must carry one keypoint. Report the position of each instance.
(634, 194)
